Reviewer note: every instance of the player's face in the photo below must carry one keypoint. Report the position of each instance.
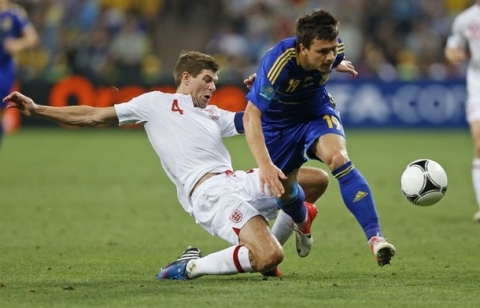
(202, 87)
(320, 56)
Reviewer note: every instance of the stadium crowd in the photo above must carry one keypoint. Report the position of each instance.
(137, 41)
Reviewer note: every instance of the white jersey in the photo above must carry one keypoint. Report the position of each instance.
(187, 139)
(466, 34)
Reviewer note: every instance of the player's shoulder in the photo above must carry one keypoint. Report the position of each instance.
(17, 10)
(469, 13)
(288, 43)
(164, 98)
(218, 112)
(281, 53)
(213, 109)
(155, 96)
(160, 94)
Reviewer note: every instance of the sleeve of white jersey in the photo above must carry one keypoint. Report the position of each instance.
(227, 123)
(135, 111)
(457, 38)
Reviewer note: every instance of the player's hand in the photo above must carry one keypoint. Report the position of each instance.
(270, 176)
(12, 46)
(249, 80)
(347, 67)
(455, 55)
(23, 103)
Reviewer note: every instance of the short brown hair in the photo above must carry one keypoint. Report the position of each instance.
(318, 24)
(193, 62)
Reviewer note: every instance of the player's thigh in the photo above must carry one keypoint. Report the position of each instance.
(473, 119)
(330, 149)
(314, 182)
(475, 132)
(475, 129)
(325, 137)
(472, 107)
(3, 104)
(257, 237)
(250, 184)
(6, 83)
(286, 147)
(221, 208)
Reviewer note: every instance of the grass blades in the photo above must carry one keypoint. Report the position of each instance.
(88, 217)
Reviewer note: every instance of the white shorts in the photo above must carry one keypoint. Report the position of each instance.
(473, 101)
(225, 202)
(473, 110)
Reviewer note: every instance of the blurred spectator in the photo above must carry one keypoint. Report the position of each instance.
(92, 58)
(17, 34)
(129, 46)
(132, 39)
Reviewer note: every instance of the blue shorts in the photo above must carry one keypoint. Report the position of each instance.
(287, 146)
(7, 79)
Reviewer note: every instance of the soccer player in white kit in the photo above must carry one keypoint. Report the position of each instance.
(186, 133)
(464, 43)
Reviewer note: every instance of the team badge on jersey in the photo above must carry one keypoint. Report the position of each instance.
(213, 114)
(236, 216)
(267, 92)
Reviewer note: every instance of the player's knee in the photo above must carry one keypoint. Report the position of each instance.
(269, 259)
(477, 149)
(338, 159)
(322, 180)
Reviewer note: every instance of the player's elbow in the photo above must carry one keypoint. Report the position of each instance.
(31, 38)
(101, 116)
(90, 123)
(93, 122)
(34, 41)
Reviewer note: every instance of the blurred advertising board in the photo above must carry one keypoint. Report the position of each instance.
(400, 104)
(362, 103)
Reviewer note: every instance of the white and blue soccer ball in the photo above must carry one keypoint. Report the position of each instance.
(424, 182)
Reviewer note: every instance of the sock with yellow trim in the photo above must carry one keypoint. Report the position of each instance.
(358, 198)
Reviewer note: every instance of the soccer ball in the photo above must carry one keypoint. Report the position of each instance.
(424, 182)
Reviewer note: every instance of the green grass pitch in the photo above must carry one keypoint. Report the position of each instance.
(88, 217)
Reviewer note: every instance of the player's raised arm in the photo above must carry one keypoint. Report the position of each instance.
(347, 67)
(29, 38)
(457, 41)
(70, 115)
(248, 82)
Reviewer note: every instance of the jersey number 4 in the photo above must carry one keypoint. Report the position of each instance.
(176, 108)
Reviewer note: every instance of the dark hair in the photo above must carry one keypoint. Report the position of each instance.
(318, 24)
(193, 62)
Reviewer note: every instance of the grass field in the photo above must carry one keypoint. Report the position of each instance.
(88, 217)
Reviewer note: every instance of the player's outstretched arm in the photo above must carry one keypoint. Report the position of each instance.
(270, 175)
(70, 115)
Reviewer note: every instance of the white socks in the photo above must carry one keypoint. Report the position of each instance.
(282, 228)
(476, 178)
(232, 260)
(235, 259)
